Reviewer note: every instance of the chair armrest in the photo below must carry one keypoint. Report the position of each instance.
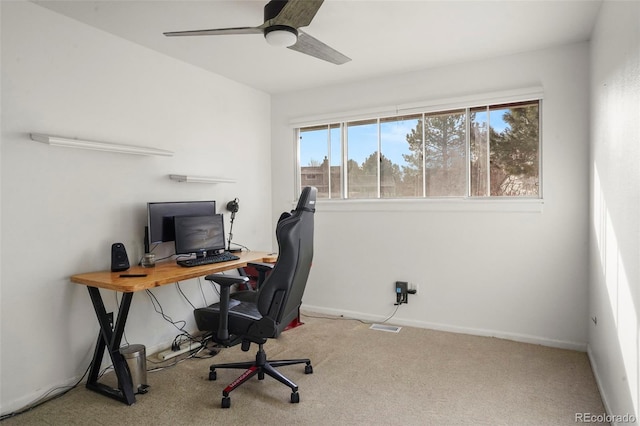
(225, 282)
(262, 268)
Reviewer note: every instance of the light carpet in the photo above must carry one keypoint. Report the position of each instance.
(361, 377)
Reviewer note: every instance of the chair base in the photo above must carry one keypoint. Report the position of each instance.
(260, 366)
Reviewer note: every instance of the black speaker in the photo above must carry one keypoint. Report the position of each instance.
(119, 259)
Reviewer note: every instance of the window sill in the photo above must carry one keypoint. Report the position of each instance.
(527, 205)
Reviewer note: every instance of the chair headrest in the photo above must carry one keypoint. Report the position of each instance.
(307, 200)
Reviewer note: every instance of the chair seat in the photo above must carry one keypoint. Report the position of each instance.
(241, 316)
(245, 296)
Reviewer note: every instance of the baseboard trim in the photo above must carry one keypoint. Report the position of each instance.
(596, 375)
(517, 337)
(34, 397)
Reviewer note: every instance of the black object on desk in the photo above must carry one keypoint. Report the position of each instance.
(208, 260)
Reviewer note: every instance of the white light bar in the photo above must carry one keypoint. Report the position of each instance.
(199, 179)
(98, 146)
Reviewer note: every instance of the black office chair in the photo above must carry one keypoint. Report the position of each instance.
(248, 292)
(278, 298)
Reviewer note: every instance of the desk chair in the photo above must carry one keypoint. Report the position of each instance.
(249, 292)
(276, 304)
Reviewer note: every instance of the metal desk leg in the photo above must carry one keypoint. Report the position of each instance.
(109, 338)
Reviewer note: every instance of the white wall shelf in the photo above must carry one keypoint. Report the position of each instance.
(200, 179)
(99, 146)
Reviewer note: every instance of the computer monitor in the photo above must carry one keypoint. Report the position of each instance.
(202, 235)
(160, 217)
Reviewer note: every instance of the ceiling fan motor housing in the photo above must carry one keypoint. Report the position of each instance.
(273, 8)
(280, 28)
(278, 35)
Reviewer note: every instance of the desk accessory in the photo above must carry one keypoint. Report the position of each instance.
(233, 206)
(148, 260)
(119, 259)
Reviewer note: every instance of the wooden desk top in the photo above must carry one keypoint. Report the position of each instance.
(165, 273)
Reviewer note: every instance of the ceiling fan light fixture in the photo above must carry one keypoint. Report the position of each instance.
(281, 36)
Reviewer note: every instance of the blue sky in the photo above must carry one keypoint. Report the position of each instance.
(363, 140)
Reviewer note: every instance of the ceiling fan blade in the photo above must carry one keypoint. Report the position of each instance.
(297, 13)
(218, 31)
(314, 47)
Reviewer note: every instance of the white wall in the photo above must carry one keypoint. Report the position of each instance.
(614, 342)
(63, 208)
(521, 275)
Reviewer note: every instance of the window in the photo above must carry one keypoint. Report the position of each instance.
(362, 159)
(488, 151)
(510, 165)
(445, 159)
(401, 159)
(320, 150)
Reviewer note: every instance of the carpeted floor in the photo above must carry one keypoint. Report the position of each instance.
(361, 377)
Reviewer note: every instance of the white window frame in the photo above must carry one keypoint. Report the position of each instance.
(444, 204)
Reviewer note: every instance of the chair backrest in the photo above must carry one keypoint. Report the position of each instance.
(280, 295)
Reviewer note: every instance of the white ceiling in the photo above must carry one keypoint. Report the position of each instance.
(381, 37)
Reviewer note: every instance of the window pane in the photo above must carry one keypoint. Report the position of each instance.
(514, 141)
(445, 154)
(401, 157)
(362, 165)
(479, 152)
(316, 167)
(314, 161)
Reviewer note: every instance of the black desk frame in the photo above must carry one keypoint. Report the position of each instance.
(109, 338)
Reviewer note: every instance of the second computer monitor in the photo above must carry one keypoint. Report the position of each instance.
(202, 235)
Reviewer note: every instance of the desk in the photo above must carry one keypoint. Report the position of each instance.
(110, 334)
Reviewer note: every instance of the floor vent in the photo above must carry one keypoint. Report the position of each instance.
(383, 327)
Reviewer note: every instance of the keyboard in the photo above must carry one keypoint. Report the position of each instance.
(208, 260)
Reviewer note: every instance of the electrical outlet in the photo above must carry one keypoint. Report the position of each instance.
(401, 292)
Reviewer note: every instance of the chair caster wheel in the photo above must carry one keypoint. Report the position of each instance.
(295, 397)
(213, 375)
(261, 376)
(308, 369)
(226, 402)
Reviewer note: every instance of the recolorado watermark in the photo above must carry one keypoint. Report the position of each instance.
(605, 418)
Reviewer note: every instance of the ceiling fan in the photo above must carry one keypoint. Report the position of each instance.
(282, 22)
